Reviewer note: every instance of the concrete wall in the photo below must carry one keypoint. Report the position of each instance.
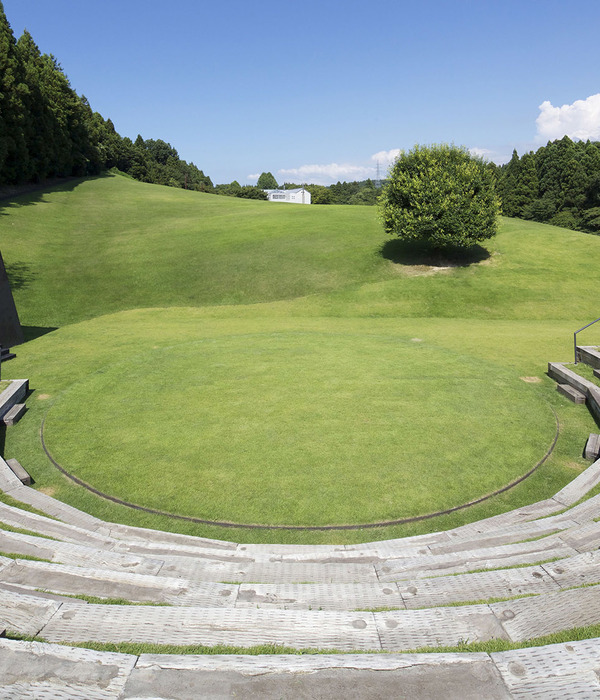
(10, 327)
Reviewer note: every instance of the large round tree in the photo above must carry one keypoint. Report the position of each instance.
(442, 195)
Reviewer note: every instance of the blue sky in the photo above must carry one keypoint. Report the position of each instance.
(312, 91)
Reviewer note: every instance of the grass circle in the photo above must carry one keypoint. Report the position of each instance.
(300, 428)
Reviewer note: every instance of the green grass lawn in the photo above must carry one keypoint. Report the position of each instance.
(339, 427)
(297, 367)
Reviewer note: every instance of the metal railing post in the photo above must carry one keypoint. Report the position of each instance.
(575, 336)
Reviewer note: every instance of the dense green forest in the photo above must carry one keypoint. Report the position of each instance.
(48, 131)
(558, 184)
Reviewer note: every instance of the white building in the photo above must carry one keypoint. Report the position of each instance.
(297, 196)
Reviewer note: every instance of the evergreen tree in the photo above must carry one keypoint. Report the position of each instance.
(508, 184)
(526, 186)
(266, 181)
(15, 162)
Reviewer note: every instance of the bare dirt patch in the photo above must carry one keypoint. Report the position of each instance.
(577, 467)
(48, 490)
(531, 380)
(43, 397)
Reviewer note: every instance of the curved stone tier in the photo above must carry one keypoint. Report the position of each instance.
(390, 596)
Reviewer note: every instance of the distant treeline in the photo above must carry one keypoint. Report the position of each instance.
(48, 131)
(558, 184)
(364, 192)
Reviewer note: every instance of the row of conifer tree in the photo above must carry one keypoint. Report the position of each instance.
(47, 130)
(557, 184)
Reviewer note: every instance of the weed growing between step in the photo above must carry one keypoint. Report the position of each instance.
(21, 531)
(28, 557)
(575, 634)
(95, 600)
(14, 503)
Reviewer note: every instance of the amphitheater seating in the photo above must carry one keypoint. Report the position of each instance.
(515, 576)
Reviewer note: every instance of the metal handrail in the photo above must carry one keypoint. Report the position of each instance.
(575, 336)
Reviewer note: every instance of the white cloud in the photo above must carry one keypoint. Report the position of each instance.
(580, 120)
(481, 152)
(386, 158)
(326, 174)
(253, 177)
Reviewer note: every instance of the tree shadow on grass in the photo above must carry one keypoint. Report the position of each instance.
(33, 332)
(33, 193)
(420, 253)
(19, 275)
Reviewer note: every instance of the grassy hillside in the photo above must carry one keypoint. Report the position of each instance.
(284, 364)
(112, 243)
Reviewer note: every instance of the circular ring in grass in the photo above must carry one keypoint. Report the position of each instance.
(300, 428)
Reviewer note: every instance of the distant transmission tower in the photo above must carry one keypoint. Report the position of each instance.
(378, 179)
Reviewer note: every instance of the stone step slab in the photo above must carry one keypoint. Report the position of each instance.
(542, 615)
(14, 393)
(75, 554)
(54, 508)
(461, 562)
(583, 538)
(505, 583)
(76, 580)
(589, 354)
(576, 489)
(420, 593)
(406, 630)
(540, 509)
(583, 569)
(581, 513)
(9, 481)
(352, 677)
(402, 630)
(319, 596)
(16, 517)
(592, 447)
(14, 414)
(571, 393)
(19, 471)
(269, 572)
(510, 534)
(213, 626)
(53, 672)
(564, 375)
(555, 671)
(25, 614)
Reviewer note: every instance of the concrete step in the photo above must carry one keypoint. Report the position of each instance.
(44, 671)
(592, 447)
(75, 554)
(397, 630)
(6, 354)
(571, 393)
(38, 670)
(589, 354)
(14, 414)
(582, 484)
(14, 393)
(19, 471)
(564, 375)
